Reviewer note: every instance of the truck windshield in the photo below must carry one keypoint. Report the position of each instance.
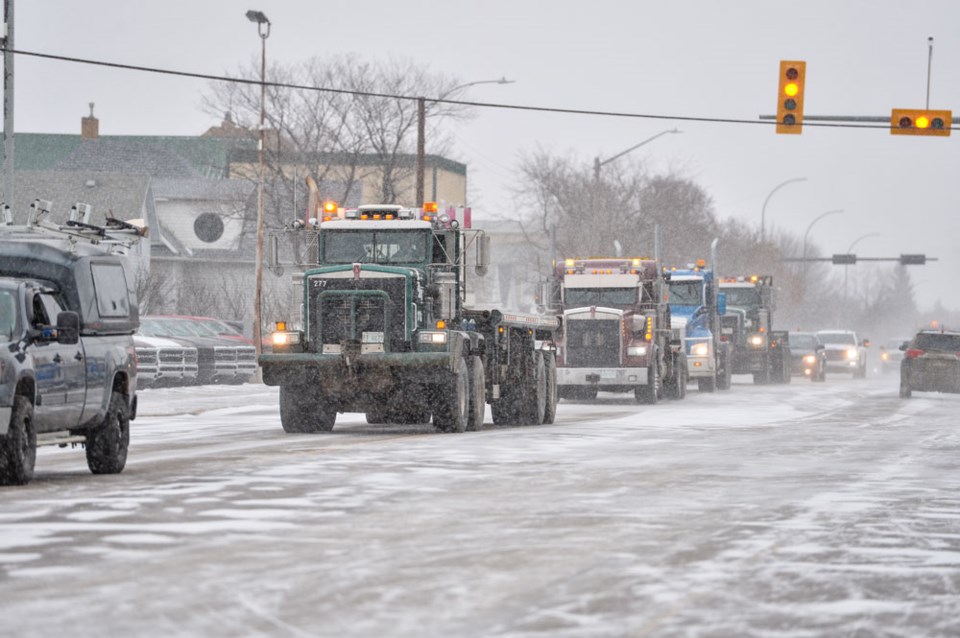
(845, 338)
(686, 293)
(579, 297)
(743, 297)
(802, 341)
(8, 316)
(375, 246)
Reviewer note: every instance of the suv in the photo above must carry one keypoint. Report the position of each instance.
(808, 355)
(67, 366)
(845, 352)
(931, 363)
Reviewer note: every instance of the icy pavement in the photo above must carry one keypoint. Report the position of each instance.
(787, 511)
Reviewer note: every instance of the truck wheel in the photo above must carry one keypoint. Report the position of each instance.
(18, 449)
(301, 411)
(107, 445)
(451, 401)
(478, 395)
(724, 376)
(376, 417)
(648, 393)
(550, 414)
(707, 384)
(535, 398)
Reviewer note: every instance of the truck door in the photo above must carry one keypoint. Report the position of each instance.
(70, 366)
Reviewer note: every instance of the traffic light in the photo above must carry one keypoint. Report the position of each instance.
(920, 122)
(913, 260)
(844, 260)
(790, 96)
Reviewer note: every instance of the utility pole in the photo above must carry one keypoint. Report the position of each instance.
(8, 103)
(421, 147)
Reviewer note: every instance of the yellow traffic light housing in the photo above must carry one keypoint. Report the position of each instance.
(920, 122)
(790, 96)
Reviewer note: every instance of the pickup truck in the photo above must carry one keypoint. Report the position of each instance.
(68, 312)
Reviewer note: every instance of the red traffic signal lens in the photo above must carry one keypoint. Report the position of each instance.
(905, 122)
(792, 73)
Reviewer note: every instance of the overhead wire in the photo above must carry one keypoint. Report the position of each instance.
(438, 100)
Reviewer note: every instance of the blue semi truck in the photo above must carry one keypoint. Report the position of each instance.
(696, 306)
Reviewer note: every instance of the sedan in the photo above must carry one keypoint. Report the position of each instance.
(931, 363)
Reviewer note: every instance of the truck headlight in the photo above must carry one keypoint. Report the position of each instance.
(282, 339)
(636, 351)
(757, 340)
(852, 353)
(700, 349)
(429, 336)
(809, 359)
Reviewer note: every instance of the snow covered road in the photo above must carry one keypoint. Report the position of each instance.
(801, 510)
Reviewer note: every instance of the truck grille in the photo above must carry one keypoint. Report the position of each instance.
(593, 343)
(344, 309)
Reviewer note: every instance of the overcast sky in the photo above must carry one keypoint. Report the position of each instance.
(679, 58)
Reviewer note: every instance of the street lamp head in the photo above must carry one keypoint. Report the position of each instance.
(257, 16)
(504, 80)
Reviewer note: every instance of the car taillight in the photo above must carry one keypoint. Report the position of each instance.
(913, 353)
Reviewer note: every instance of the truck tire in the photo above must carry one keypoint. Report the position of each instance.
(478, 395)
(534, 404)
(107, 444)
(648, 394)
(762, 377)
(376, 417)
(707, 384)
(677, 388)
(451, 401)
(302, 411)
(550, 414)
(724, 375)
(18, 449)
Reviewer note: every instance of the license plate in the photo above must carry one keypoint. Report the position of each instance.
(608, 374)
(372, 337)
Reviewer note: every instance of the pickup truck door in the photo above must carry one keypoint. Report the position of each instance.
(70, 368)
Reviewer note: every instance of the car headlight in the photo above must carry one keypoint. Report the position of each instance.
(757, 340)
(810, 358)
(700, 349)
(429, 336)
(636, 351)
(852, 353)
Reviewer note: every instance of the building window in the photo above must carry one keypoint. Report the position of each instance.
(208, 227)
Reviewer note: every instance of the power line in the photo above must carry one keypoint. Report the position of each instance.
(487, 105)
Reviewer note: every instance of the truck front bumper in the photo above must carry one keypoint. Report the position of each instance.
(603, 378)
(698, 367)
(283, 368)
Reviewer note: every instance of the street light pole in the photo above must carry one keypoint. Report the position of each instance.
(807, 234)
(421, 132)
(264, 33)
(597, 163)
(763, 211)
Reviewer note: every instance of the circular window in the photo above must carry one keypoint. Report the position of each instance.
(208, 227)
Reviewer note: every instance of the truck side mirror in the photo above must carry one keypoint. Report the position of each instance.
(68, 327)
(483, 254)
(721, 303)
(866, 343)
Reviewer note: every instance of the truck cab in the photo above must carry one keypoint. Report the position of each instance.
(696, 306)
(758, 349)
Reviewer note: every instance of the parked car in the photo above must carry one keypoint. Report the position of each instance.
(891, 355)
(931, 363)
(846, 352)
(808, 356)
(220, 359)
(164, 362)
